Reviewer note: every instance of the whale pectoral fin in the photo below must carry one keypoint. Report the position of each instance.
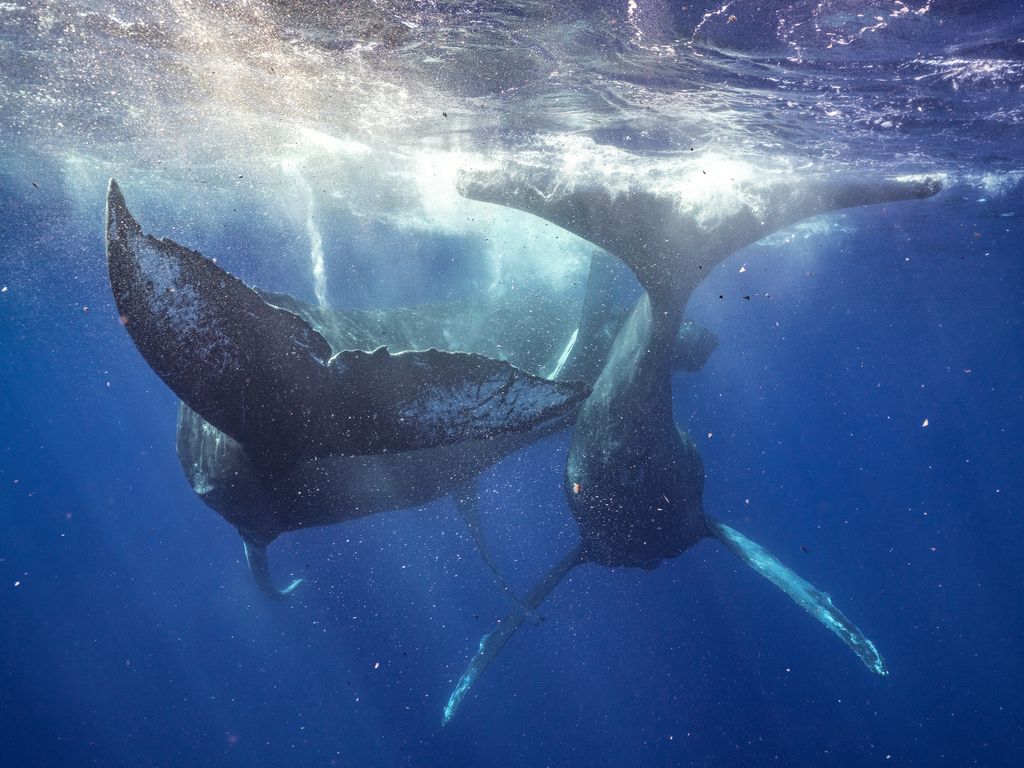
(492, 643)
(256, 557)
(467, 502)
(804, 594)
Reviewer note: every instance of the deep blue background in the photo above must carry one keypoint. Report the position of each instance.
(136, 638)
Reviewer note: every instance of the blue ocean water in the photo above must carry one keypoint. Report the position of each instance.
(861, 416)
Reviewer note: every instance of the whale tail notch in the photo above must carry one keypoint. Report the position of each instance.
(492, 643)
(803, 593)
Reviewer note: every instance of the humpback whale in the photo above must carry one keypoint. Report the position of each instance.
(268, 403)
(264, 486)
(634, 481)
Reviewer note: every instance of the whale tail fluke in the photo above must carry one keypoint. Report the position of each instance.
(671, 244)
(256, 557)
(266, 378)
(803, 593)
(492, 643)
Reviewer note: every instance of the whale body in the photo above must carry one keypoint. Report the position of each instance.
(634, 482)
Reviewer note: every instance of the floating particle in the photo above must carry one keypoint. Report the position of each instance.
(376, 665)
(4, 289)
(743, 268)
(924, 423)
